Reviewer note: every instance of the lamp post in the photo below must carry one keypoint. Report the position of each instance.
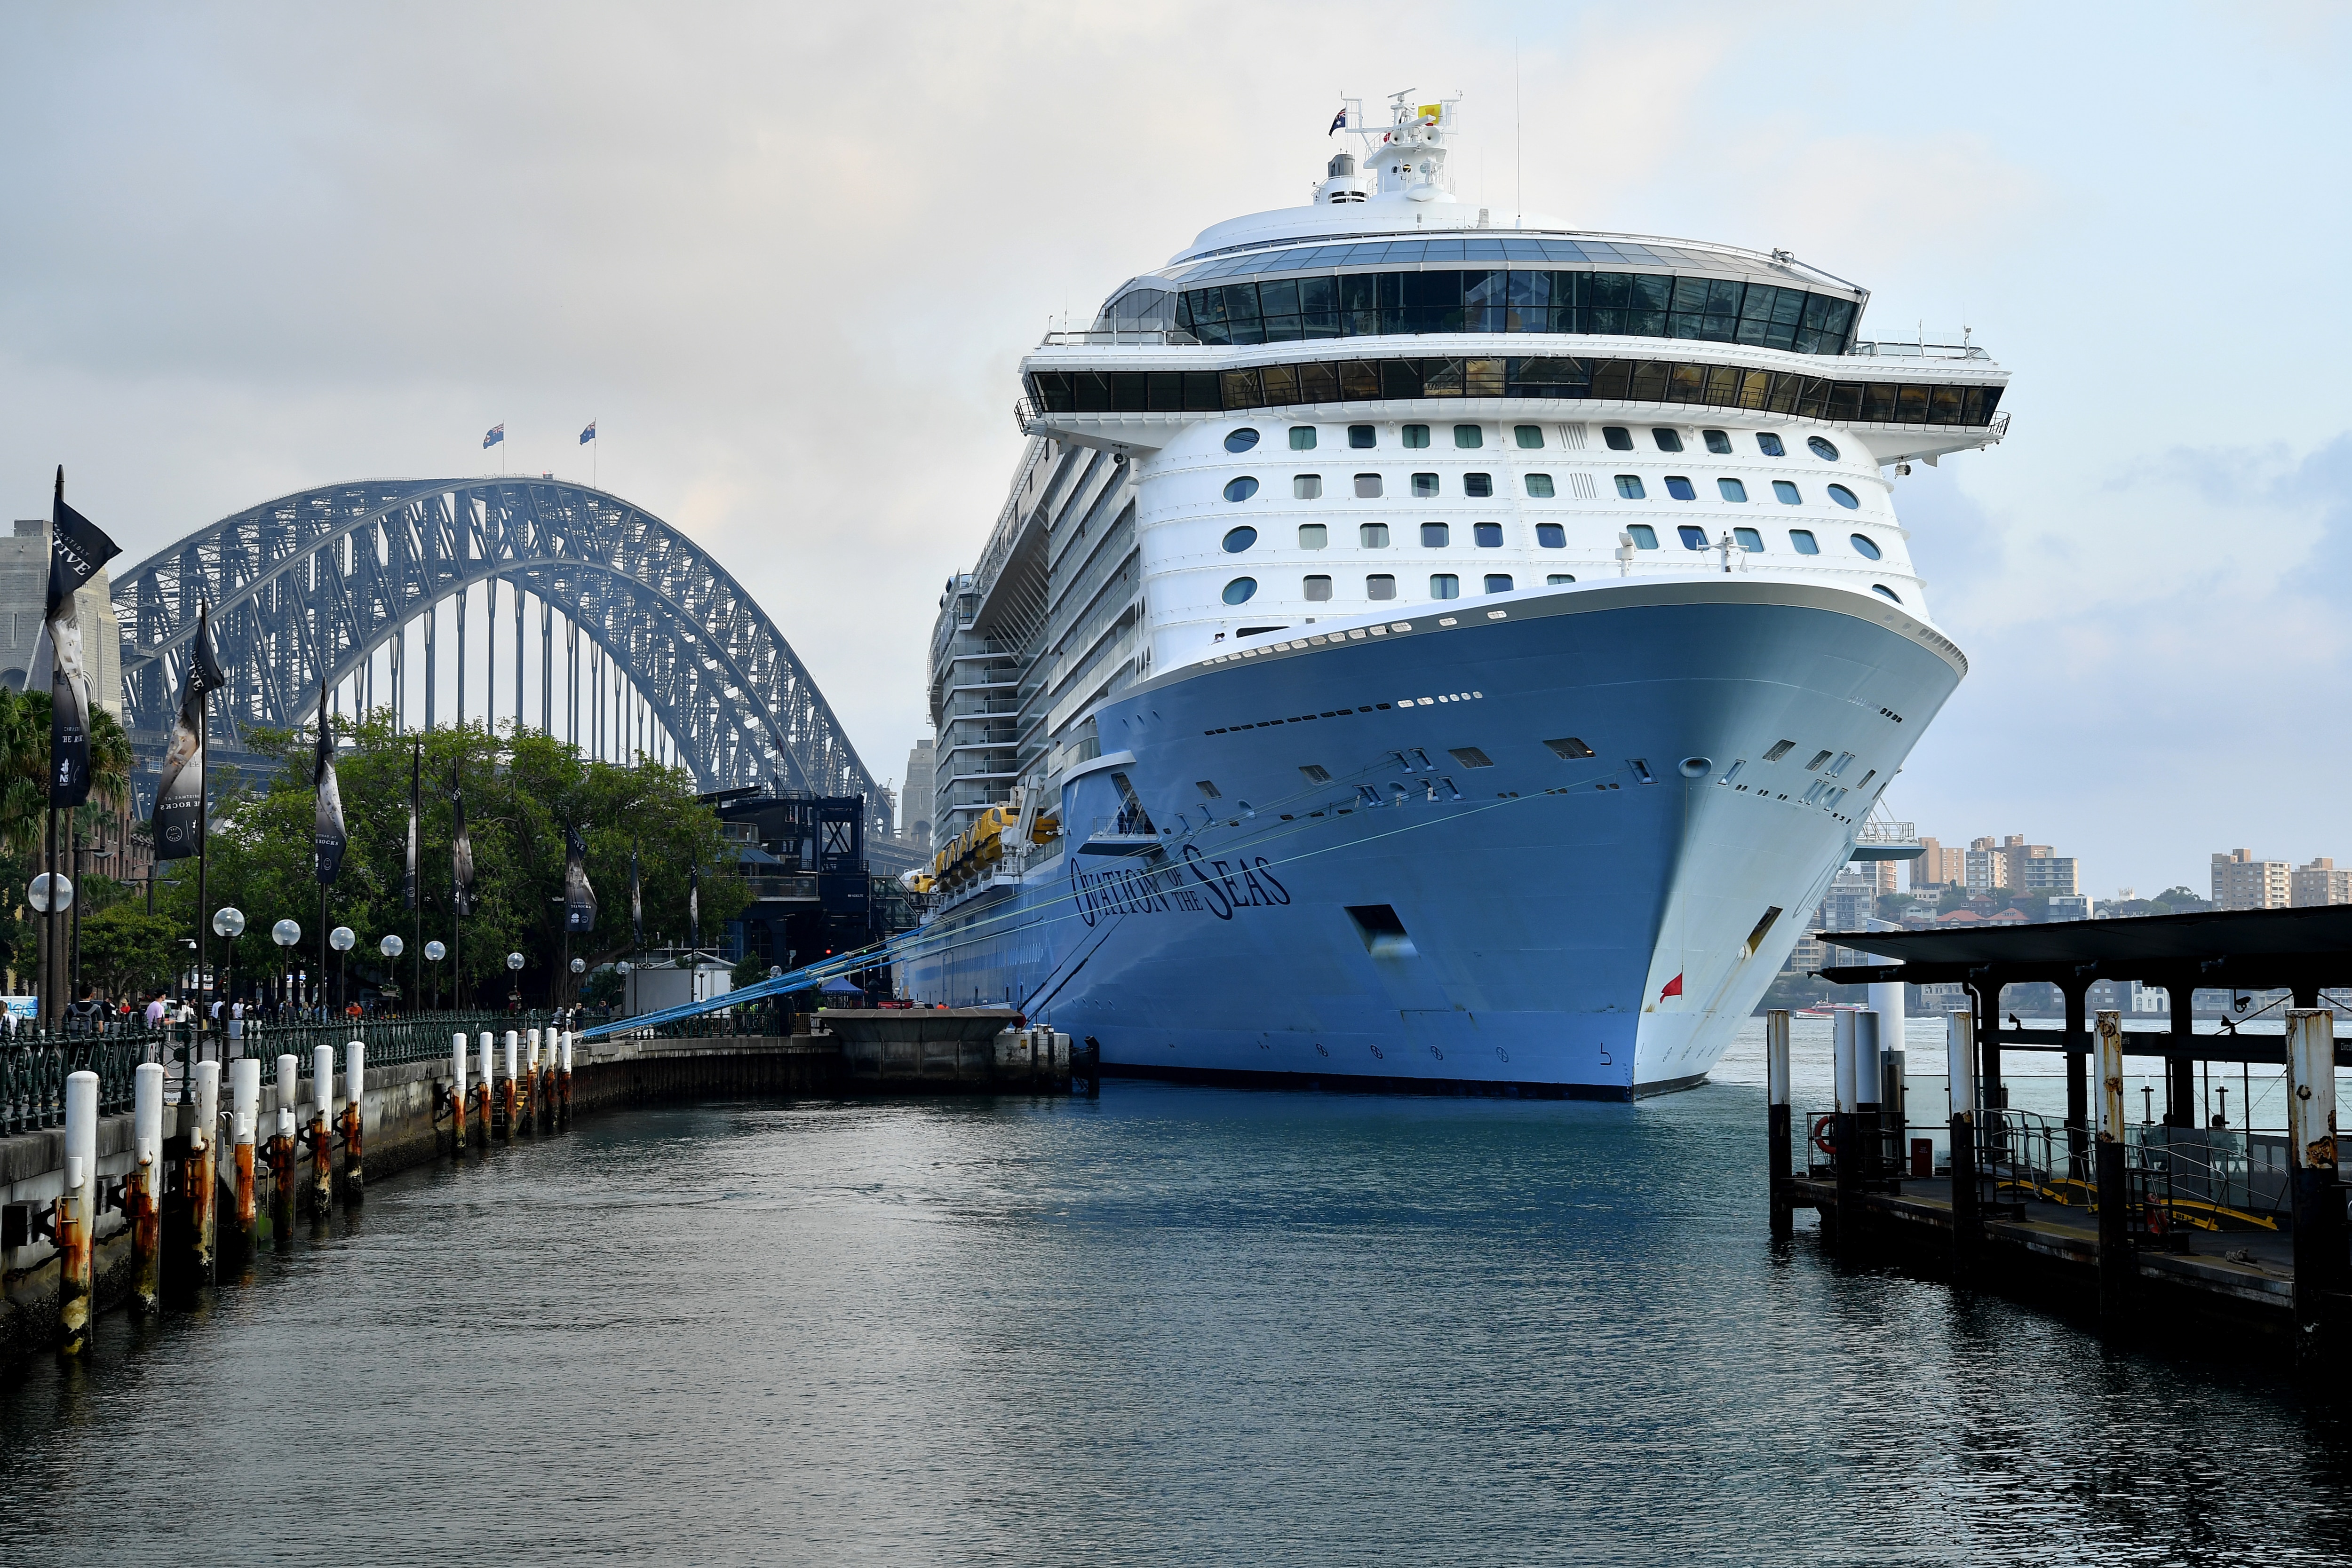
(342, 939)
(286, 933)
(228, 921)
(434, 953)
(392, 947)
(38, 896)
(514, 982)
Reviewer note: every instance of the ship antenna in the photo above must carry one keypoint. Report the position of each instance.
(1519, 161)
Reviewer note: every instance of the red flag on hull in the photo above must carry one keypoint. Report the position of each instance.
(1674, 988)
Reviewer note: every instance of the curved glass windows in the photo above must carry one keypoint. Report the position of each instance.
(1367, 486)
(1416, 436)
(1667, 439)
(1629, 485)
(1240, 489)
(1239, 590)
(1539, 487)
(1424, 485)
(1865, 545)
(1239, 540)
(1318, 590)
(1618, 438)
(1559, 578)
(1477, 486)
(1241, 440)
(1716, 441)
(1550, 535)
(1731, 489)
(1644, 536)
(1306, 486)
(1499, 582)
(1435, 536)
(1373, 536)
(1242, 309)
(1749, 540)
(1379, 585)
(1769, 444)
(1825, 450)
(1302, 438)
(1802, 541)
(1444, 585)
(1469, 437)
(1360, 436)
(1786, 494)
(1528, 436)
(1844, 497)
(1693, 537)
(1882, 588)
(1680, 488)
(1488, 535)
(1313, 536)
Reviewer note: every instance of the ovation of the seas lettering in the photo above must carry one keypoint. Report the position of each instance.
(1255, 889)
(1131, 889)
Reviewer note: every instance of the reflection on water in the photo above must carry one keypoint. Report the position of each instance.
(1173, 1326)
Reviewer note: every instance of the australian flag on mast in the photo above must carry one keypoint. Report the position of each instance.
(1339, 123)
(588, 435)
(493, 435)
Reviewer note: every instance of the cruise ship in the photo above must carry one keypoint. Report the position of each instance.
(1431, 648)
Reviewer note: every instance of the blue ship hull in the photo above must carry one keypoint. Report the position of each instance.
(1463, 899)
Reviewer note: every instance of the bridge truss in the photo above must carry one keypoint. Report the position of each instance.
(316, 583)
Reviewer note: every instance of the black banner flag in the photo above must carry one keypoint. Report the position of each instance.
(178, 821)
(328, 838)
(78, 548)
(579, 894)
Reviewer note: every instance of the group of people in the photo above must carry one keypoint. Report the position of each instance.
(93, 1013)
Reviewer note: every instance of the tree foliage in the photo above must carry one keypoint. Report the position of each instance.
(520, 790)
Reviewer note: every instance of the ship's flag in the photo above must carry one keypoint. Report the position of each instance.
(1339, 123)
(588, 435)
(493, 435)
(1432, 113)
(1673, 987)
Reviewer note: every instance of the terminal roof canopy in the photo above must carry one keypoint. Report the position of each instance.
(2240, 947)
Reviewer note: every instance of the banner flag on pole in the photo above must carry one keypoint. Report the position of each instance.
(78, 548)
(177, 822)
(694, 907)
(579, 893)
(415, 786)
(328, 838)
(461, 848)
(636, 901)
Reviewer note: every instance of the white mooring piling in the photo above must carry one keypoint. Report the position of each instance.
(460, 1107)
(144, 1195)
(76, 1214)
(2317, 1202)
(245, 1113)
(1776, 1113)
(322, 1137)
(490, 1077)
(507, 1091)
(1960, 1065)
(204, 1176)
(354, 1084)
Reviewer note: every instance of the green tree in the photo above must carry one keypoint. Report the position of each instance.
(520, 790)
(127, 952)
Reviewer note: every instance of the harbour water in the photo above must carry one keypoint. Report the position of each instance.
(1175, 1325)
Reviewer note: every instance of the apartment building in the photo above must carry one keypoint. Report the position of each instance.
(2242, 882)
(2319, 883)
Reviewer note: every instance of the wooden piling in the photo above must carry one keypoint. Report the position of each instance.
(1968, 1212)
(2117, 1263)
(2316, 1201)
(1776, 1113)
(143, 1195)
(76, 1215)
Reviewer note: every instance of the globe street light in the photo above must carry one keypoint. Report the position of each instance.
(342, 939)
(435, 952)
(391, 947)
(286, 933)
(228, 921)
(38, 896)
(514, 986)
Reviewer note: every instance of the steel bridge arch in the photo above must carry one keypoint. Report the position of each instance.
(314, 584)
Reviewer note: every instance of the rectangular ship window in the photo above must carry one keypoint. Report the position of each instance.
(1383, 933)
(1779, 749)
(1567, 749)
(1470, 757)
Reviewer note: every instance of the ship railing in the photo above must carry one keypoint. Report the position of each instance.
(1922, 350)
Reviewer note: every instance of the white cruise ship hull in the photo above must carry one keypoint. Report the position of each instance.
(1511, 916)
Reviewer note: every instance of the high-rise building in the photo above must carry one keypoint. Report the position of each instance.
(2242, 882)
(1937, 866)
(917, 798)
(25, 595)
(2319, 883)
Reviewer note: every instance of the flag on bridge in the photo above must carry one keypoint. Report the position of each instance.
(78, 548)
(493, 435)
(328, 838)
(177, 822)
(588, 435)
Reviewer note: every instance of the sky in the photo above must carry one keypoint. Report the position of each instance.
(788, 258)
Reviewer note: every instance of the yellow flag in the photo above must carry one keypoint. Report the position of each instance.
(1432, 111)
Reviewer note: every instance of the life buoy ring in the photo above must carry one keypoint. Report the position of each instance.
(1823, 1126)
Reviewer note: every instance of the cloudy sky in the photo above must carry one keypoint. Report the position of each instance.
(788, 258)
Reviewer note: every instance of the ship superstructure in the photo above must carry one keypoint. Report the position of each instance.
(1427, 649)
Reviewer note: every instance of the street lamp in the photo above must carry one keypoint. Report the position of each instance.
(342, 939)
(228, 921)
(38, 896)
(286, 933)
(434, 953)
(514, 986)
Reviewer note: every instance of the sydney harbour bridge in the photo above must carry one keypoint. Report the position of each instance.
(644, 644)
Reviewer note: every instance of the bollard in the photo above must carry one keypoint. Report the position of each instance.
(322, 1137)
(2317, 1201)
(204, 1176)
(144, 1195)
(1847, 1153)
(354, 1082)
(531, 1082)
(1968, 1212)
(2117, 1264)
(460, 1107)
(507, 1090)
(1776, 1113)
(77, 1213)
(244, 1112)
(564, 1078)
(490, 1074)
(281, 1153)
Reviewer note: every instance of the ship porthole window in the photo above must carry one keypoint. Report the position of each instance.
(1802, 540)
(1550, 535)
(1424, 485)
(1844, 497)
(1373, 536)
(1239, 590)
(1680, 488)
(1318, 589)
(1306, 486)
(1313, 536)
(1786, 493)
(1380, 586)
(1367, 486)
(1749, 540)
(1629, 485)
(1240, 489)
(1731, 489)
(1539, 487)
(1880, 588)
(1240, 540)
(1618, 438)
(1361, 435)
(1444, 585)
(1469, 437)
(1559, 578)
(1644, 537)
(1434, 536)
(1865, 545)
(1667, 439)
(1302, 438)
(1241, 440)
(1768, 444)
(1499, 582)
(1693, 537)
(1717, 443)
(1416, 436)
(1824, 450)
(1478, 486)
(1528, 436)
(1489, 535)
